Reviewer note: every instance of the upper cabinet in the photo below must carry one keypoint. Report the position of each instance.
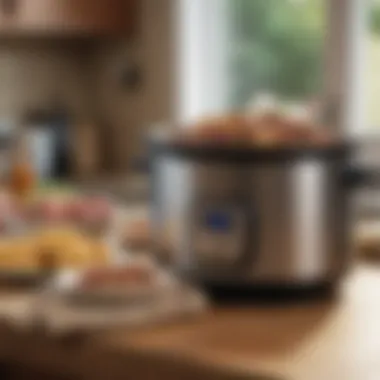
(67, 17)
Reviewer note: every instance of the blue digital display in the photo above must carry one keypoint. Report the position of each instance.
(218, 221)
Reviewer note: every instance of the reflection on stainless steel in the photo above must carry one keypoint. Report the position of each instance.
(288, 221)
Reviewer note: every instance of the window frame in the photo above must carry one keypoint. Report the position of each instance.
(201, 87)
(345, 57)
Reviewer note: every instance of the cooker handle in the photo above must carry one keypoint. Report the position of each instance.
(355, 176)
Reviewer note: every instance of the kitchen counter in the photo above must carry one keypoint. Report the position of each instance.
(331, 339)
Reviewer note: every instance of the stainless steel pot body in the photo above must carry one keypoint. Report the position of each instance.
(253, 221)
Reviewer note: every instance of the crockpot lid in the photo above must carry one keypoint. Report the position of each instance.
(248, 152)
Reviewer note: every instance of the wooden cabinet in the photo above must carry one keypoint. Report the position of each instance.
(67, 17)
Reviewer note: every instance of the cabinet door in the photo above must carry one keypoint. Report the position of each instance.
(66, 16)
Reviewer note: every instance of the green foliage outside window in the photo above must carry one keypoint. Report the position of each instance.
(277, 47)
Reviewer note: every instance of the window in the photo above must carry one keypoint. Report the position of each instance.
(299, 50)
(372, 67)
(276, 47)
(234, 50)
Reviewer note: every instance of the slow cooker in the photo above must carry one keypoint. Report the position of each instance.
(250, 217)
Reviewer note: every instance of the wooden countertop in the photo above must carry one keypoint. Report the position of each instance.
(334, 339)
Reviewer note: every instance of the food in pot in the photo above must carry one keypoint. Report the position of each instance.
(277, 129)
(265, 129)
(231, 128)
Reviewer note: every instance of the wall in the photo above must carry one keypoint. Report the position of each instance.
(129, 115)
(33, 72)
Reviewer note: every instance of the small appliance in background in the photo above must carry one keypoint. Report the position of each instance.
(48, 137)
